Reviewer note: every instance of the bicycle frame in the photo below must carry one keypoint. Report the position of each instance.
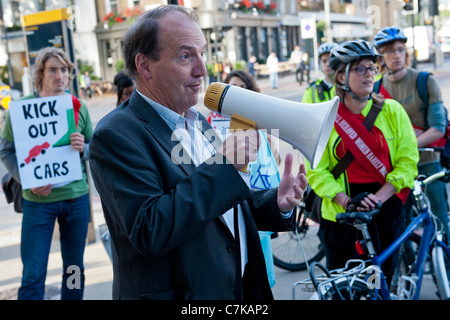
(431, 244)
(428, 237)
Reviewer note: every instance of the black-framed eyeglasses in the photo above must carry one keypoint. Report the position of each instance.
(361, 71)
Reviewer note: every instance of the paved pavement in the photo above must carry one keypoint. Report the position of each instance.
(98, 268)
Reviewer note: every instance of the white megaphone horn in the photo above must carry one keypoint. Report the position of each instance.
(305, 126)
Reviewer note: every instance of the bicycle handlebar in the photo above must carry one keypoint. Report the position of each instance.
(432, 149)
(357, 216)
(444, 175)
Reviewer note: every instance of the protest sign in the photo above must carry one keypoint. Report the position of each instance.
(221, 125)
(41, 128)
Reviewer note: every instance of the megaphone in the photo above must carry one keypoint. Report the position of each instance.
(305, 126)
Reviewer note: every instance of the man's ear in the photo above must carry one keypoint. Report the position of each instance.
(143, 66)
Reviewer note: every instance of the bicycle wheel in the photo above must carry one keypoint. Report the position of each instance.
(358, 290)
(440, 265)
(286, 248)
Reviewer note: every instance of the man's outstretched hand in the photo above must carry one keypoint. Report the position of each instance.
(291, 189)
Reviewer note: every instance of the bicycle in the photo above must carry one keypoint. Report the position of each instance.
(291, 248)
(361, 282)
(409, 250)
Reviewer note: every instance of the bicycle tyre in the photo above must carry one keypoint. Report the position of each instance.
(439, 261)
(359, 290)
(287, 252)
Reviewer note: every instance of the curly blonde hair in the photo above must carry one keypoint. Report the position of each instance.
(42, 58)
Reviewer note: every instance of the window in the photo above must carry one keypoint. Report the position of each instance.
(111, 6)
(15, 12)
(134, 3)
(41, 5)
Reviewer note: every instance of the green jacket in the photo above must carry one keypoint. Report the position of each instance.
(396, 127)
(317, 92)
(69, 191)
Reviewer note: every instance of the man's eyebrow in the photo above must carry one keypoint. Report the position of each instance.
(188, 47)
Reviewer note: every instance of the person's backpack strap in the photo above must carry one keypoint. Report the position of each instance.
(313, 91)
(377, 85)
(368, 122)
(422, 89)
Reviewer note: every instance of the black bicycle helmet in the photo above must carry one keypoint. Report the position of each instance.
(352, 50)
(388, 35)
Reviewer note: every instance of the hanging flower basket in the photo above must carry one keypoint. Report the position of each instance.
(270, 8)
(112, 18)
(247, 6)
(132, 14)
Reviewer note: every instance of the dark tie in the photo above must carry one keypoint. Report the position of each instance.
(238, 256)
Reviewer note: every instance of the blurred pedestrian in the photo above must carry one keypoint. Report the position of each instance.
(252, 62)
(124, 85)
(296, 57)
(272, 64)
(227, 68)
(85, 83)
(322, 89)
(66, 203)
(304, 69)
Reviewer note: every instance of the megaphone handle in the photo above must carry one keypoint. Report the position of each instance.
(244, 168)
(241, 123)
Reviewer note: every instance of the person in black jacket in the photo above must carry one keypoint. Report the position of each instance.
(183, 222)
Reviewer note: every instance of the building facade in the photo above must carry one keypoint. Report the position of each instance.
(13, 49)
(234, 29)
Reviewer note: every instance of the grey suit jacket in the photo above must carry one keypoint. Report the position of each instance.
(168, 238)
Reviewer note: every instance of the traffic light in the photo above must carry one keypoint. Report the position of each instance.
(433, 8)
(410, 7)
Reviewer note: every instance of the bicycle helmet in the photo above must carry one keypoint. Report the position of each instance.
(326, 48)
(388, 35)
(352, 50)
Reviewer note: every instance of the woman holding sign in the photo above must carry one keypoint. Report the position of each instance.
(371, 157)
(67, 201)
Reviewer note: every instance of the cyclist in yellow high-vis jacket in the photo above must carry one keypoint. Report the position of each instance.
(383, 162)
(391, 122)
(322, 89)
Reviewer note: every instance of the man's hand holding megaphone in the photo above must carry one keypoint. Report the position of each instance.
(242, 146)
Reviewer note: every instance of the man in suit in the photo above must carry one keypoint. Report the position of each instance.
(183, 222)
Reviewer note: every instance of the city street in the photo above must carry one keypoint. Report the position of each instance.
(97, 264)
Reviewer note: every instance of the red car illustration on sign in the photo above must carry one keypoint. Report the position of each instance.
(34, 152)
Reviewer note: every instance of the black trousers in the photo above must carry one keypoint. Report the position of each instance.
(339, 239)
